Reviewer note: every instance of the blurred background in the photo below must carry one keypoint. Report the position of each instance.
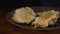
(9, 5)
(19, 3)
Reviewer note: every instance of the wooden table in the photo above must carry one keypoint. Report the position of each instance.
(7, 28)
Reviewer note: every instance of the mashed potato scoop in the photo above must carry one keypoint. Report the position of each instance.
(23, 15)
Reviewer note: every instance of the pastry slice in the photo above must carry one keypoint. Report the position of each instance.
(45, 19)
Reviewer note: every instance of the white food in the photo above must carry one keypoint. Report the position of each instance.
(24, 15)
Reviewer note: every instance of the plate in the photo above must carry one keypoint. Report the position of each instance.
(36, 9)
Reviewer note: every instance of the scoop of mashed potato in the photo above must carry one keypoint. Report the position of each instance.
(24, 15)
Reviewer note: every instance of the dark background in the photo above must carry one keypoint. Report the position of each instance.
(19, 3)
(30, 2)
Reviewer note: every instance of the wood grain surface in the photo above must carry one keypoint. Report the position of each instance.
(8, 28)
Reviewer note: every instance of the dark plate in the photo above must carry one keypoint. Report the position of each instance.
(36, 9)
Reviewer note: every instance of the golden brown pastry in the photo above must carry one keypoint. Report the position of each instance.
(39, 22)
(45, 19)
(54, 20)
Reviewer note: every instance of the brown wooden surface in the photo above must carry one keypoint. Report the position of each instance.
(7, 28)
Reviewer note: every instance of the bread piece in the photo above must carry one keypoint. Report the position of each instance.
(24, 15)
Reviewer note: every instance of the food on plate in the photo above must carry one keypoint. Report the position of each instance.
(46, 18)
(39, 19)
(23, 15)
(39, 22)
